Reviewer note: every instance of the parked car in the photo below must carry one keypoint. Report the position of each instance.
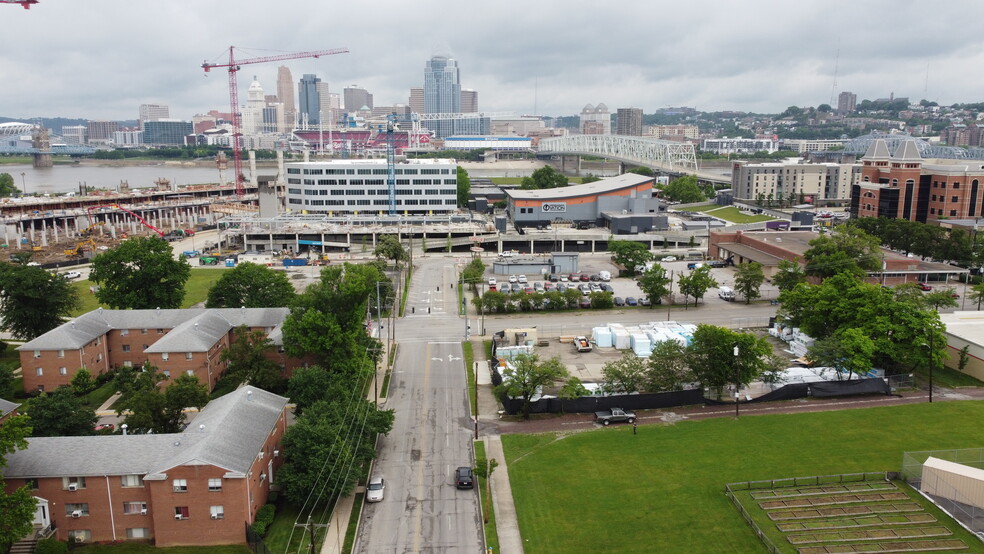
(492, 282)
(463, 478)
(561, 287)
(644, 301)
(574, 277)
(615, 415)
(564, 279)
(670, 259)
(585, 302)
(375, 489)
(581, 344)
(548, 285)
(72, 274)
(607, 288)
(618, 301)
(553, 278)
(631, 301)
(585, 278)
(538, 286)
(605, 275)
(513, 279)
(595, 277)
(595, 287)
(522, 279)
(924, 286)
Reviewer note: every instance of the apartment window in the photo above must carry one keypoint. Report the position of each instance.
(187, 355)
(134, 508)
(190, 372)
(62, 371)
(138, 533)
(39, 371)
(215, 485)
(31, 484)
(167, 373)
(69, 482)
(181, 512)
(80, 535)
(954, 199)
(143, 331)
(180, 485)
(956, 185)
(82, 508)
(126, 347)
(37, 353)
(131, 481)
(61, 353)
(165, 356)
(953, 213)
(127, 363)
(124, 332)
(99, 358)
(216, 512)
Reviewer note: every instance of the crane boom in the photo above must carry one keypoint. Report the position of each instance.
(121, 208)
(233, 68)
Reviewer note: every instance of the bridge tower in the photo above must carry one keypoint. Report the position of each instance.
(41, 142)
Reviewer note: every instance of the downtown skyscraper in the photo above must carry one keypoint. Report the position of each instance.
(309, 99)
(285, 94)
(442, 92)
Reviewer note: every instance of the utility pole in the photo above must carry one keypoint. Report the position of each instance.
(738, 383)
(669, 304)
(310, 529)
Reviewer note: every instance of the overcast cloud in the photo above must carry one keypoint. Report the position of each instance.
(101, 59)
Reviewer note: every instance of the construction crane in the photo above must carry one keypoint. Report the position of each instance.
(122, 209)
(25, 3)
(233, 67)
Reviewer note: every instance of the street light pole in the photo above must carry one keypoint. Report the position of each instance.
(23, 183)
(931, 364)
(737, 383)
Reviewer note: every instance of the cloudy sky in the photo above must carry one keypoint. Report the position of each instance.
(101, 59)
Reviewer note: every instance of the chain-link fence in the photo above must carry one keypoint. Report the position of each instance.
(952, 497)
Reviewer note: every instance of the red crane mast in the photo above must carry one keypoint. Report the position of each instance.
(233, 67)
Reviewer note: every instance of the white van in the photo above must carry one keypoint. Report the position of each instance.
(605, 275)
(726, 293)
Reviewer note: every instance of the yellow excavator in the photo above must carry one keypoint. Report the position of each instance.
(80, 248)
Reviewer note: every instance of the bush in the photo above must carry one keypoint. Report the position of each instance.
(50, 546)
(264, 517)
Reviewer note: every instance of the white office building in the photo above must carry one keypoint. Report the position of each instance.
(423, 187)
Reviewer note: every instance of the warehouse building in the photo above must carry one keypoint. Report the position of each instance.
(624, 204)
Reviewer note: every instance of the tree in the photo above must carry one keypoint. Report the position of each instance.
(464, 187)
(788, 274)
(590, 178)
(16, 507)
(83, 383)
(6, 381)
(940, 298)
(327, 321)
(667, 367)
(625, 375)
(544, 178)
(697, 283)
(642, 170)
(7, 187)
(846, 249)
(848, 350)
(748, 280)
(340, 432)
(251, 285)
(976, 294)
(629, 254)
(33, 301)
(145, 408)
(655, 284)
(528, 376)
(246, 356)
(60, 413)
(389, 248)
(140, 273)
(711, 356)
(683, 189)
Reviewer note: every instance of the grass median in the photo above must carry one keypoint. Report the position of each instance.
(662, 490)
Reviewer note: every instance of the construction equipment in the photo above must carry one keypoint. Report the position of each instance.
(233, 67)
(25, 3)
(122, 209)
(79, 249)
(89, 230)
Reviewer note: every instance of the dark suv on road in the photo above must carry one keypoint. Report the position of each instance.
(463, 478)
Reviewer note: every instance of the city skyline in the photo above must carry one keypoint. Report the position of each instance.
(548, 58)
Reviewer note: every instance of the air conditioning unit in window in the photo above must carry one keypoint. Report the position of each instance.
(177, 516)
(77, 513)
(143, 511)
(276, 453)
(79, 538)
(73, 487)
(215, 516)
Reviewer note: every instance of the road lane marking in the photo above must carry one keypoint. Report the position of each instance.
(422, 419)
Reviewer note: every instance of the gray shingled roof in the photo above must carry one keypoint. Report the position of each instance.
(6, 407)
(235, 428)
(82, 330)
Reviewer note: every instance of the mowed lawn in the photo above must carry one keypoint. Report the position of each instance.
(196, 289)
(734, 215)
(663, 489)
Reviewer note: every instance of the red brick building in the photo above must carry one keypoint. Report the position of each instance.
(199, 487)
(175, 341)
(907, 186)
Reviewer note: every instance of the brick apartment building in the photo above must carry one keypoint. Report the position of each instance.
(907, 186)
(202, 486)
(769, 247)
(175, 341)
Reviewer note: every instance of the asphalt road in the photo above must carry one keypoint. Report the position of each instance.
(422, 510)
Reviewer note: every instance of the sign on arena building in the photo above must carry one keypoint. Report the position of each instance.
(553, 207)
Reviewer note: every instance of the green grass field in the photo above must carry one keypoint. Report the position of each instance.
(663, 489)
(196, 289)
(733, 214)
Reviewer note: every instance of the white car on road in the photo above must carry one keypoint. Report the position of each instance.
(375, 489)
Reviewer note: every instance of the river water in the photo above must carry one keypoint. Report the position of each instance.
(67, 178)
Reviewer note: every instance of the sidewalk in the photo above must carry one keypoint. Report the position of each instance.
(506, 522)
